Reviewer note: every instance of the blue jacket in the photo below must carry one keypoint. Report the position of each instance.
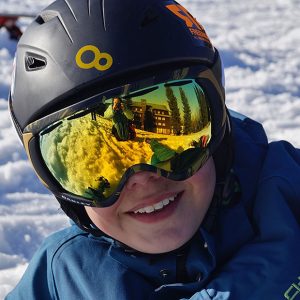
(252, 254)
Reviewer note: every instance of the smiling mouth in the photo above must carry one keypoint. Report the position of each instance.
(157, 206)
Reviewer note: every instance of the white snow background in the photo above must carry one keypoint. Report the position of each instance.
(259, 41)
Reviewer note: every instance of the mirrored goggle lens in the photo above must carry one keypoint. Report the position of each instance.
(166, 126)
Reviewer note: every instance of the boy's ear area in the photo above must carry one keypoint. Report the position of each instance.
(77, 213)
(223, 156)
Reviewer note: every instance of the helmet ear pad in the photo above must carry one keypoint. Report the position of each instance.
(223, 155)
(78, 214)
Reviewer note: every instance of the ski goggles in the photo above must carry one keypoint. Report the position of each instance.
(88, 151)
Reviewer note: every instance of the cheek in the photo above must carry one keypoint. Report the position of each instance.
(106, 219)
(204, 180)
(201, 188)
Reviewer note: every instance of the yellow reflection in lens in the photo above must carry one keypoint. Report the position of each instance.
(80, 153)
(87, 159)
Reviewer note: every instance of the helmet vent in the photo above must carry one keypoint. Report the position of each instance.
(46, 16)
(34, 62)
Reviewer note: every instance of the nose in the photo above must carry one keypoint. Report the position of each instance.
(141, 179)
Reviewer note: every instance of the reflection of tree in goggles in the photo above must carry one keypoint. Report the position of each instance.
(164, 127)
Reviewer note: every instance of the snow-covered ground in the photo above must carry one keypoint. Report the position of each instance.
(259, 41)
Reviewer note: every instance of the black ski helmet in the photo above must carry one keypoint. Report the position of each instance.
(75, 48)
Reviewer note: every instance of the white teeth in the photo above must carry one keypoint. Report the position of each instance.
(166, 202)
(172, 198)
(149, 209)
(157, 206)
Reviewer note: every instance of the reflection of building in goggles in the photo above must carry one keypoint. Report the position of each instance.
(150, 116)
(158, 118)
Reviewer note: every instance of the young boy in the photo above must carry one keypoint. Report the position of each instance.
(208, 220)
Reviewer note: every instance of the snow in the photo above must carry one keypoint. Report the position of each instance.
(259, 42)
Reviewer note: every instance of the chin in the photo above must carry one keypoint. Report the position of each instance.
(160, 246)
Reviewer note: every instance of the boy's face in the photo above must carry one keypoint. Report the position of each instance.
(166, 228)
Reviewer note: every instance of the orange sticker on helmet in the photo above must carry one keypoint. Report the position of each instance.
(194, 27)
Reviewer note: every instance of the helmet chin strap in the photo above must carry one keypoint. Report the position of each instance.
(227, 193)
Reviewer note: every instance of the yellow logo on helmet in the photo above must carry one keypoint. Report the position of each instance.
(95, 63)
